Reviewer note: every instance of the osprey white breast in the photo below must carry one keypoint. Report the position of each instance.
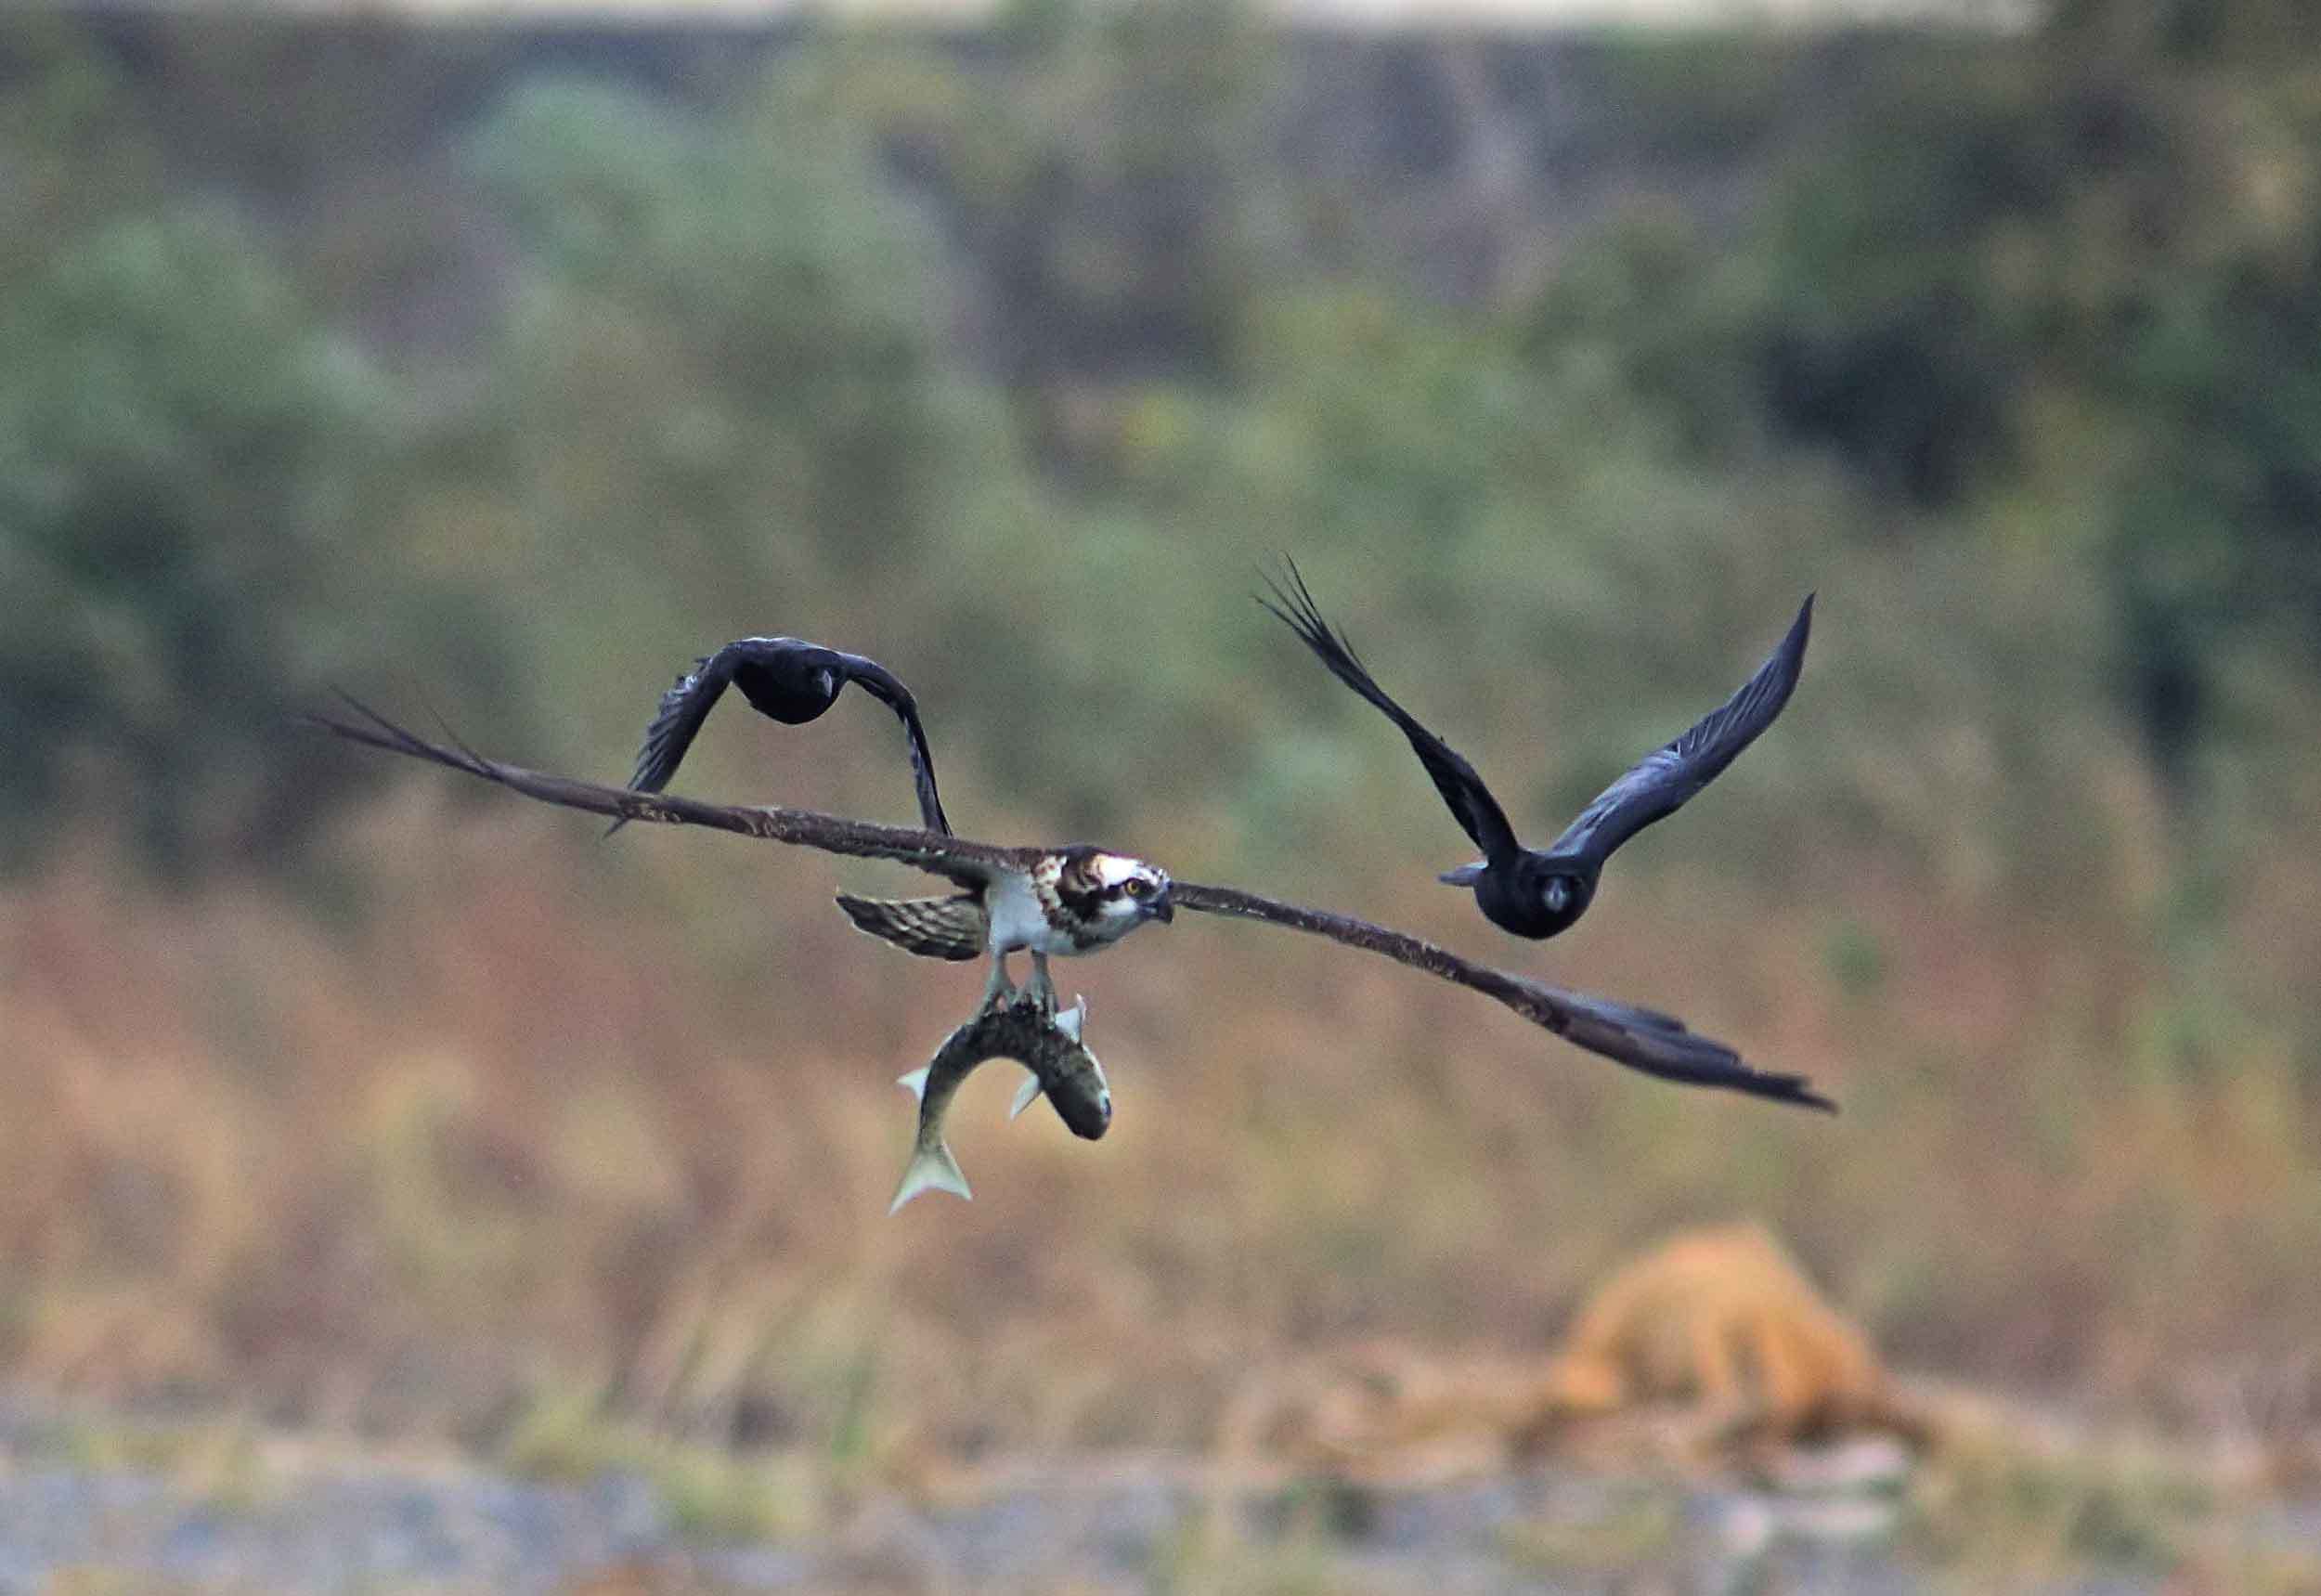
(1015, 918)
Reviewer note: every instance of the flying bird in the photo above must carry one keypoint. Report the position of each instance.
(1061, 901)
(1538, 892)
(1642, 1039)
(791, 680)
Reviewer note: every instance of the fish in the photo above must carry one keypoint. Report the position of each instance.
(1047, 1043)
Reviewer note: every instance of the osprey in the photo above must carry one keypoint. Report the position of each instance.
(1538, 893)
(1070, 901)
(787, 680)
(1643, 1039)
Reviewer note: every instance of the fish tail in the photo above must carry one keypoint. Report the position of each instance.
(930, 1169)
(932, 927)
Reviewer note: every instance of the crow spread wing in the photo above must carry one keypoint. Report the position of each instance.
(1639, 1038)
(969, 863)
(884, 686)
(682, 709)
(1656, 785)
(770, 671)
(1471, 804)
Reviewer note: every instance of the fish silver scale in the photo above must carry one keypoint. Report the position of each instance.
(1048, 1044)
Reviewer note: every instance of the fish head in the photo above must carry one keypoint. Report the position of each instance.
(1082, 1096)
(1073, 1079)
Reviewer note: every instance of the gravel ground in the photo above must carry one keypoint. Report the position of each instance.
(326, 1518)
(348, 1527)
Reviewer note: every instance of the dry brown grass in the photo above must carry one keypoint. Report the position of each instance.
(554, 1124)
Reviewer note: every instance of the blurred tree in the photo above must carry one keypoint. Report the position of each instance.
(2049, 294)
(725, 330)
(2184, 29)
(2216, 536)
(1102, 168)
(72, 154)
(183, 460)
(2064, 291)
(172, 435)
(721, 382)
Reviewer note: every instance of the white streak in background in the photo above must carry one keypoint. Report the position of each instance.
(1373, 16)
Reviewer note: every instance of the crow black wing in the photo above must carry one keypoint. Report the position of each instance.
(678, 719)
(1471, 804)
(1658, 784)
(1642, 1039)
(769, 665)
(884, 686)
(957, 859)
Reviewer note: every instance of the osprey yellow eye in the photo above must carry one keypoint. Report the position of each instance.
(1139, 887)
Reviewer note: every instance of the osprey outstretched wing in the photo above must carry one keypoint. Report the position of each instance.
(1655, 1043)
(968, 863)
(1044, 900)
(1640, 1038)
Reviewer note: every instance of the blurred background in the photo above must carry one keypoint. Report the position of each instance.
(501, 366)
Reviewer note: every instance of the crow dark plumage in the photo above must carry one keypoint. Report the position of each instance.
(788, 679)
(1538, 892)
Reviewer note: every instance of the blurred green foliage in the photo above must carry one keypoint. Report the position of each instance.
(2060, 290)
(728, 320)
(1010, 358)
(185, 457)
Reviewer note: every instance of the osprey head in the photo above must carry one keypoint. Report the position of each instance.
(1129, 892)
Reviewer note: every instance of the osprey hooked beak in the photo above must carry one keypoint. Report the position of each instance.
(1145, 888)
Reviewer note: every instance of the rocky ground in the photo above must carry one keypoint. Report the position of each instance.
(298, 1516)
(398, 1528)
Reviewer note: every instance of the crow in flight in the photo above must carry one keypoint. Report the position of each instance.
(791, 680)
(1538, 892)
